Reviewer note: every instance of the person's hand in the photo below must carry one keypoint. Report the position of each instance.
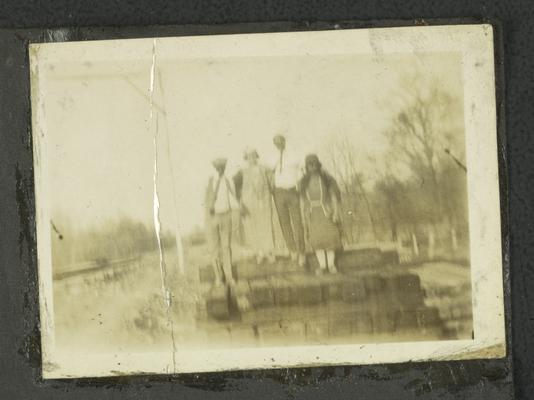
(212, 210)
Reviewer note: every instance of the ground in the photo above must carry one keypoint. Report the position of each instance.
(124, 310)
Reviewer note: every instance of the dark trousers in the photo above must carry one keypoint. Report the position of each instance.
(288, 208)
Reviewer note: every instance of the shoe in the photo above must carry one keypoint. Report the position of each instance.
(319, 271)
(332, 269)
(271, 258)
(302, 260)
(294, 256)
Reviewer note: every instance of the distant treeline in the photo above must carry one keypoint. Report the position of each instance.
(112, 240)
(395, 210)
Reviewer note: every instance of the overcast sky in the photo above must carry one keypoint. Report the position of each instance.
(100, 135)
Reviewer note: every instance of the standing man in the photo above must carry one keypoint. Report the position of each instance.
(220, 200)
(287, 172)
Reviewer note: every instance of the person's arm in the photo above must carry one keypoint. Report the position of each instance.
(269, 172)
(268, 176)
(336, 192)
(300, 171)
(236, 190)
(208, 198)
(336, 211)
(238, 184)
(335, 197)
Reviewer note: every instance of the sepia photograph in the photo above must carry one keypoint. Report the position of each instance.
(269, 200)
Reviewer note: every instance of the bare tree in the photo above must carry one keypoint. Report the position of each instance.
(344, 160)
(390, 189)
(421, 130)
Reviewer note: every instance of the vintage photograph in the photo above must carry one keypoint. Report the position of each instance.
(267, 200)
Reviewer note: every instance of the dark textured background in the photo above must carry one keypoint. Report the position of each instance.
(19, 339)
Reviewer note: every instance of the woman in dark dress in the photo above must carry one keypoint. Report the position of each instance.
(320, 199)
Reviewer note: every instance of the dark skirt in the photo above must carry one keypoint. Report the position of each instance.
(323, 233)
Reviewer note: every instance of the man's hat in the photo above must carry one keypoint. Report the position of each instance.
(219, 162)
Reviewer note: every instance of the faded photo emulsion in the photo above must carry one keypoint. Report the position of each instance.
(267, 200)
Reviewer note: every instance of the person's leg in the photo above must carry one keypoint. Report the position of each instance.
(260, 256)
(214, 248)
(331, 260)
(297, 226)
(280, 202)
(226, 246)
(321, 258)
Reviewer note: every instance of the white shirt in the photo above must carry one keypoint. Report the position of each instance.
(225, 197)
(287, 169)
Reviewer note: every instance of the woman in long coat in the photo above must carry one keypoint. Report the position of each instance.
(320, 200)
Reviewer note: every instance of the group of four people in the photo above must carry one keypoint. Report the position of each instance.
(306, 203)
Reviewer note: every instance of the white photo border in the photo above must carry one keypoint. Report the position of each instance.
(474, 42)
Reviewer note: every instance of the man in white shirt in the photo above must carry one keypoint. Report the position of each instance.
(220, 201)
(287, 171)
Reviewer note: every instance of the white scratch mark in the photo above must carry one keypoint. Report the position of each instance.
(157, 223)
(178, 235)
